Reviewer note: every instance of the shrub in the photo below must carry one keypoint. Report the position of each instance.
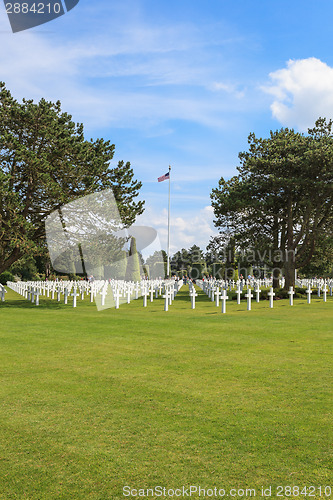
(6, 276)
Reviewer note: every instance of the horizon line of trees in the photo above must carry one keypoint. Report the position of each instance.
(222, 260)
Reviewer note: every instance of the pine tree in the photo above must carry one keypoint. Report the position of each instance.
(133, 270)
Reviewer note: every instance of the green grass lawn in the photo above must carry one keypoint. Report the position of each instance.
(93, 401)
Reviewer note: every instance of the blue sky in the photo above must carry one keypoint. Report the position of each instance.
(181, 83)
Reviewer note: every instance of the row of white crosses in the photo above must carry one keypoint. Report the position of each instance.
(211, 288)
(117, 291)
(267, 283)
(170, 292)
(322, 285)
(214, 294)
(124, 291)
(324, 290)
(32, 290)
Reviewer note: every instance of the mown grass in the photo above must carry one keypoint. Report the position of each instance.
(93, 401)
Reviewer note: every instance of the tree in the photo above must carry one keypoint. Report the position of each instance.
(184, 259)
(281, 202)
(198, 269)
(216, 248)
(133, 270)
(157, 263)
(195, 254)
(45, 162)
(180, 261)
(321, 263)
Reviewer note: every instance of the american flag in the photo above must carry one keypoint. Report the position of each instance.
(164, 177)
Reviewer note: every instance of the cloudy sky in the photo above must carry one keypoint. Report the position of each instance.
(179, 82)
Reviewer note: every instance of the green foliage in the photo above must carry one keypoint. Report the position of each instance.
(184, 259)
(6, 276)
(198, 269)
(218, 270)
(321, 263)
(180, 260)
(46, 162)
(26, 268)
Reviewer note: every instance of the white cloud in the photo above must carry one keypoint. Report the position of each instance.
(302, 92)
(126, 76)
(192, 228)
(227, 87)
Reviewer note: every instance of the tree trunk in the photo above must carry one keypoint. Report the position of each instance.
(276, 270)
(276, 277)
(5, 264)
(289, 268)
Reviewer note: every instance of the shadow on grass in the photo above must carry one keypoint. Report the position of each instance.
(25, 304)
(184, 296)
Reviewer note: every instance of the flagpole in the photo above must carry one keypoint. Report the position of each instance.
(168, 262)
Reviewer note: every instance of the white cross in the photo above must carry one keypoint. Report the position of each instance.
(325, 292)
(271, 295)
(74, 295)
(291, 296)
(249, 296)
(308, 292)
(193, 294)
(145, 293)
(103, 294)
(129, 294)
(116, 296)
(151, 289)
(224, 299)
(166, 301)
(66, 296)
